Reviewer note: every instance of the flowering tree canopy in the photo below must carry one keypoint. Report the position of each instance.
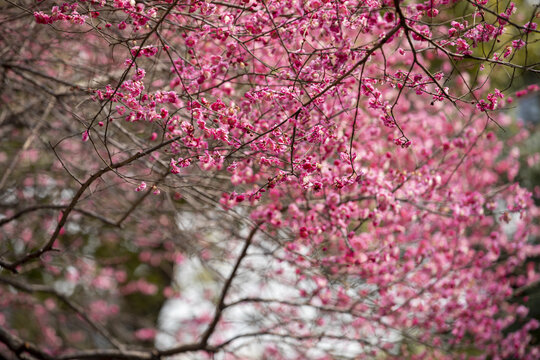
(335, 168)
